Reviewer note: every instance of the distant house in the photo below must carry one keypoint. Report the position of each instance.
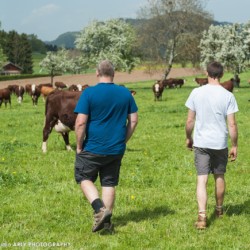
(11, 69)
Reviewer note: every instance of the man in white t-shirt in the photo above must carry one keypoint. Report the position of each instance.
(211, 115)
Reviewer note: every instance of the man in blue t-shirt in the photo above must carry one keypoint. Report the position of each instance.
(106, 119)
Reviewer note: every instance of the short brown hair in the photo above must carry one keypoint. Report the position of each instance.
(106, 68)
(215, 70)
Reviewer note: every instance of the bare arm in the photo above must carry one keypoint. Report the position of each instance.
(189, 128)
(233, 132)
(80, 131)
(131, 125)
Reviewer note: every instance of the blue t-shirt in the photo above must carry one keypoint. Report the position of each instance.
(107, 106)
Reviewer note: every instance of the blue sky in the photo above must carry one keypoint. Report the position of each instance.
(50, 18)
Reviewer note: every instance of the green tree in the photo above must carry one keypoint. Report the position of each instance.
(113, 40)
(229, 44)
(37, 45)
(18, 50)
(170, 25)
(56, 63)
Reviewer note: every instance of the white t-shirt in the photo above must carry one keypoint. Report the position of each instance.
(212, 104)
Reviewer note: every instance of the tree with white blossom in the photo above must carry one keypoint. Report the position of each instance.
(229, 44)
(56, 63)
(113, 40)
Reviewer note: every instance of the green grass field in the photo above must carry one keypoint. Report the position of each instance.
(156, 202)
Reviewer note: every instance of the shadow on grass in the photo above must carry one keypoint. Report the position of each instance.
(143, 214)
(233, 210)
(238, 209)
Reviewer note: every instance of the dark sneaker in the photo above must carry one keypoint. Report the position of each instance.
(201, 223)
(101, 218)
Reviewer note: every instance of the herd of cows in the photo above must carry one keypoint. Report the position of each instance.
(160, 85)
(61, 101)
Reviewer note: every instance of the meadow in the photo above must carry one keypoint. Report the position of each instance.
(42, 206)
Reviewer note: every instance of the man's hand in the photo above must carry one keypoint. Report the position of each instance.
(233, 153)
(189, 143)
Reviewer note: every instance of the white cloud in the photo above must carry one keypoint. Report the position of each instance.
(41, 12)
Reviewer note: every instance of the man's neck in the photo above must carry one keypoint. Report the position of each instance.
(106, 79)
(213, 81)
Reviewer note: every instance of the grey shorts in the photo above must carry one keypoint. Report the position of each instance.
(88, 166)
(210, 160)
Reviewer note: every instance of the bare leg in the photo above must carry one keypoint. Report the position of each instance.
(108, 197)
(219, 189)
(89, 190)
(202, 192)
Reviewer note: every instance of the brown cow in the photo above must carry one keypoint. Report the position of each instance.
(158, 90)
(45, 84)
(73, 87)
(60, 85)
(173, 82)
(59, 114)
(5, 97)
(35, 94)
(228, 85)
(18, 91)
(201, 81)
(45, 91)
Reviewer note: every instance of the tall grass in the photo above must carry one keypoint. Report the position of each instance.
(155, 204)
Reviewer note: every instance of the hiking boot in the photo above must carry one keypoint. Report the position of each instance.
(219, 213)
(101, 218)
(201, 223)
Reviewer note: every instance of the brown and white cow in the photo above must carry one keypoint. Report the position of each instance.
(5, 96)
(35, 94)
(59, 114)
(18, 91)
(158, 90)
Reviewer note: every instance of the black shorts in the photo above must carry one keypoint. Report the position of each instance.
(88, 166)
(210, 160)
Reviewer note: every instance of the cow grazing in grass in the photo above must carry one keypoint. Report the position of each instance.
(35, 94)
(228, 85)
(59, 114)
(173, 82)
(60, 85)
(5, 96)
(158, 90)
(201, 81)
(18, 91)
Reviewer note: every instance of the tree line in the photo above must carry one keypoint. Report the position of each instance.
(18, 49)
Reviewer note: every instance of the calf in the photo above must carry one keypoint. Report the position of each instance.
(173, 82)
(5, 97)
(59, 114)
(158, 90)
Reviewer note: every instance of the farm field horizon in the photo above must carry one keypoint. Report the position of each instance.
(156, 200)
